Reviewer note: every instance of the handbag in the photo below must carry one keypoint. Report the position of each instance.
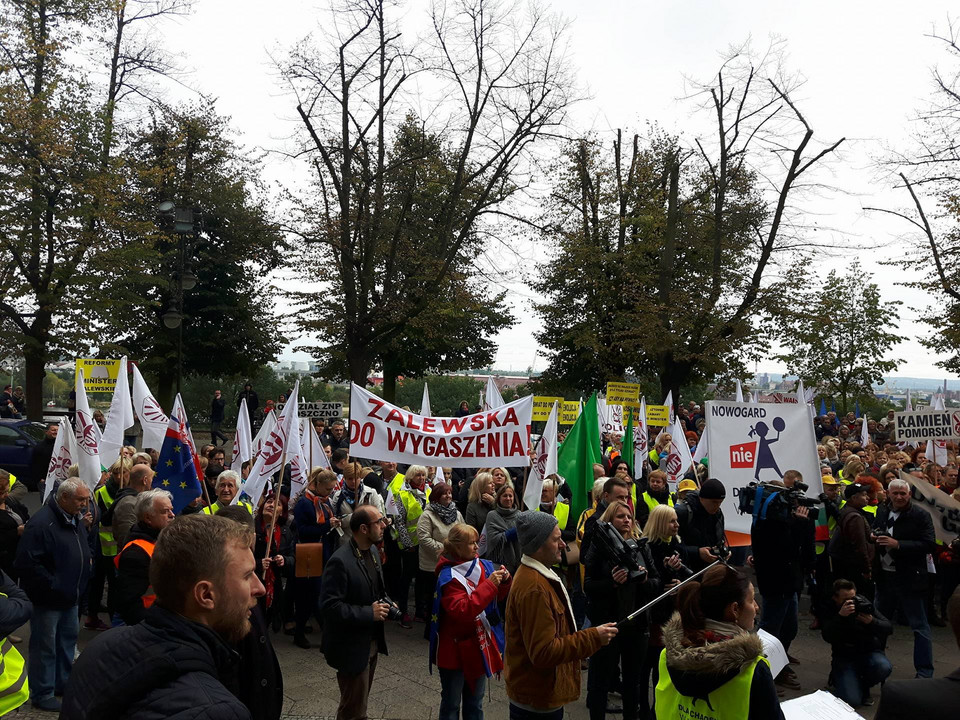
(309, 560)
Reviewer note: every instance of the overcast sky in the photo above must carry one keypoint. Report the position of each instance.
(866, 64)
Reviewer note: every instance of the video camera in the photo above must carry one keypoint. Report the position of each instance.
(768, 501)
(622, 553)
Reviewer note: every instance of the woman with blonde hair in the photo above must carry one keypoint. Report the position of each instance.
(853, 467)
(501, 477)
(660, 447)
(410, 502)
(480, 500)
(466, 611)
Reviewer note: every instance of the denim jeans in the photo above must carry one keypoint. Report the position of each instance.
(455, 693)
(53, 641)
(778, 617)
(853, 677)
(518, 713)
(892, 595)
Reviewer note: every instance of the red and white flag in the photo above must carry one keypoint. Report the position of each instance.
(491, 397)
(152, 418)
(242, 442)
(88, 438)
(678, 460)
(281, 445)
(312, 448)
(544, 462)
(185, 434)
(64, 454)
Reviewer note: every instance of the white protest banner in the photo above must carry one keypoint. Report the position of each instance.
(756, 443)
(927, 425)
(943, 509)
(498, 437)
(152, 418)
(64, 453)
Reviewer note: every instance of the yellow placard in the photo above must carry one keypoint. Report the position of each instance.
(622, 393)
(542, 405)
(98, 375)
(658, 415)
(569, 412)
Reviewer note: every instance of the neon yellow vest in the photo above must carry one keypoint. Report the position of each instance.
(108, 544)
(395, 484)
(730, 701)
(14, 690)
(830, 524)
(561, 511)
(871, 509)
(212, 509)
(414, 511)
(652, 501)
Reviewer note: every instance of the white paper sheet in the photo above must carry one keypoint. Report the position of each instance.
(773, 649)
(820, 705)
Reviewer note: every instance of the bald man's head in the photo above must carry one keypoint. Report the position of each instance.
(141, 477)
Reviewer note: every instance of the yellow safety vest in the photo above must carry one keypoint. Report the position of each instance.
(730, 701)
(561, 511)
(830, 525)
(395, 484)
(212, 509)
(14, 690)
(108, 543)
(652, 502)
(13, 481)
(414, 511)
(871, 509)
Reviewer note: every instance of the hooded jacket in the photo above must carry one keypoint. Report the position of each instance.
(698, 529)
(165, 667)
(698, 670)
(53, 558)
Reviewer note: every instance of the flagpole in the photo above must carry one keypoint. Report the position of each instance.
(276, 501)
(206, 493)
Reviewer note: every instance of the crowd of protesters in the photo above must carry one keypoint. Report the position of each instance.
(530, 592)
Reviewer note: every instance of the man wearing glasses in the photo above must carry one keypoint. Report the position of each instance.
(354, 604)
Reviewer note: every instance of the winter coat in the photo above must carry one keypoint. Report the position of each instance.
(53, 558)
(696, 671)
(133, 576)
(851, 549)
(698, 529)
(457, 645)
(309, 530)
(123, 515)
(258, 680)
(476, 515)
(499, 543)
(610, 601)
(663, 610)
(15, 608)
(165, 667)
(543, 650)
(783, 553)
(347, 593)
(913, 529)
(10, 535)
(366, 495)
(919, 698)
(849, 638)
(431, 532)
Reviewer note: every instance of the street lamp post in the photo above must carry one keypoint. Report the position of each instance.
(185, 222)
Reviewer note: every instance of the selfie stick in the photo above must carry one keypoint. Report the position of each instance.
(636, 613)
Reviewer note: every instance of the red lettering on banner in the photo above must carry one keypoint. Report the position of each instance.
(516, 446)
(354, 431)
(743, 455)
(493, 444)
(441, 449)
(454, 447)
(394, 414)
(476, 422)
(411, 423)
(415, 441)
(429, 425)
(492, 420)
(454, 424)
(429, 447)
(377, 404)
(396, 441)
(468, 447)
(511, 418)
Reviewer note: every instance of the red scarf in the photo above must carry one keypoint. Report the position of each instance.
(269, 577)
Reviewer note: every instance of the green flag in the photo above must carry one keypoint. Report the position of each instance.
(627, 452)
(577, 456)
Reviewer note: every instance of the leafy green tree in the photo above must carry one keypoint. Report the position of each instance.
(839, 334)
(446, 393)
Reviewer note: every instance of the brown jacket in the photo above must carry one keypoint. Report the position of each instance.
(543, 648)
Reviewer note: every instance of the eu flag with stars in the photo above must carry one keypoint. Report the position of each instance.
(176, 469)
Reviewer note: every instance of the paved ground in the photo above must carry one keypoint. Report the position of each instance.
(404, 690)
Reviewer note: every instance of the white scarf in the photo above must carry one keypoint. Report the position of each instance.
(534, 564)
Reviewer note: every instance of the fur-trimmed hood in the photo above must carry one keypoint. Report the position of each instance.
(697, 671)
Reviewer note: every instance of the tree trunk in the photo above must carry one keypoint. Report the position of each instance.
(389, 382)
(359, 367)
(35, 358)
(166, 382)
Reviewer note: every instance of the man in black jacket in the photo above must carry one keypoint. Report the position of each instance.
(40, 460)
(351, 599)
(701, 524)
(53, 562)
(217, 406)
(253, 401)
(925, 698)
(858, 636)
(905, 537)
(179, 660)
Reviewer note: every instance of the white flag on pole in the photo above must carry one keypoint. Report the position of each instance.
(755, 398)
(152, 418)
(641, 444)
(668, 401)
(119, 418)
(739, 397)
(801, 395)
(282, 443)
(701, 451)
(64, 455)
(313, 451)
(88, 438)
(242, 442)
(492, 398)
(864, 433)
(908, 406)
(936, 450)
(440, 477)
(678, 461)
(544, 462)
(425, 402)
(269, 423)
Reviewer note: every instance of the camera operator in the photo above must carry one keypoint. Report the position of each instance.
(701, 524)
(858, 636)
(620, 577)
(904, 534)
(851, 547)
(614, 489)
(783, 554)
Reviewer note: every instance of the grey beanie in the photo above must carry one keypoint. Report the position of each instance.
(533, 529)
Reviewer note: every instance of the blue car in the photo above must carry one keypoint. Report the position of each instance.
(18, 438)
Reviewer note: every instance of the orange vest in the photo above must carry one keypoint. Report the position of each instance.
(149, 596)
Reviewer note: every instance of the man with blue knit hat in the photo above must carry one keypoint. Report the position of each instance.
(542, 663)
